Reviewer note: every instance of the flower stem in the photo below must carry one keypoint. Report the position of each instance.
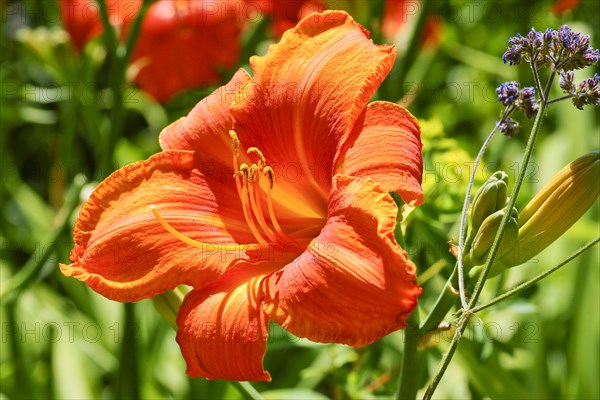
(464, 320)
(109, 32)
(465, 210)
(536, 78)
(120, 59)
(128, 386)
(247, 390)
(443, 304)
(534, 280)
(409, 385)
(565, 97)
(413, 361)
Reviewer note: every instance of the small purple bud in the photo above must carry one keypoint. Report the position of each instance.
(509, 127)
(507, 93)
(566, 82)
(587, 92)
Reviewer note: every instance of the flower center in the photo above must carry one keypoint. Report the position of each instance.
(248, 179)
(248, 182)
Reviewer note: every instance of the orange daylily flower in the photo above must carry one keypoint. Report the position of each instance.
(183, 43)
(192, 39)
(271, 199)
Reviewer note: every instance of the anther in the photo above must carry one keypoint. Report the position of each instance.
(244, 172)
(262, 161)
(268, 171)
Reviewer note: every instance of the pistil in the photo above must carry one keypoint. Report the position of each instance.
(186, 239)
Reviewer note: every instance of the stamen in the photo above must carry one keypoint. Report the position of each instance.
(188, 240)
(244, 198)
(268, 171)
(256, 203)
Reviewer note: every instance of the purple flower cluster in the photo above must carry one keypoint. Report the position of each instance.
(561, 49)
(523, 100)
(587, 92)
(526, 48)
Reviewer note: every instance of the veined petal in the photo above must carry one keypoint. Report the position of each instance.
(206, 128)
(223, 330)
(124, 253)
(386, 147)
(305, 97)
(353, 284)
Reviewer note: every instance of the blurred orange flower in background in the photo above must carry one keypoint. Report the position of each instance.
(559, 7)
(182, 44)
(271, 199)
(400, 17)
(285, 14)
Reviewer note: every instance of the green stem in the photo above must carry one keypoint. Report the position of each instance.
(35, 263)
(119, 68)
(443, 304)
(536, 279)
(465, 211)
(464, 320)
(109, 32)
(536, 78)
(408, 382)
(247, 390)
(415, 331)
(565, 97)
(128, 380)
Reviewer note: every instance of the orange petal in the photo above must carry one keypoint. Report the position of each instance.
(354, 284)
(387, 149)
(206, 128)
(306, 95)
(223, 330)
(122, 251)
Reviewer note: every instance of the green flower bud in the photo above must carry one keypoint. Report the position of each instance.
(490, 198)
(568, 195)
(169, 302)
(487, 232)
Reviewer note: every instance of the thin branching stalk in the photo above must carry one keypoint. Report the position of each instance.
(465, 211)
(466, 316)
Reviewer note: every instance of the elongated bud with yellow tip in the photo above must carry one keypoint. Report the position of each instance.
(168, 304)
(486, 234)
(490, 198)
(568, 195)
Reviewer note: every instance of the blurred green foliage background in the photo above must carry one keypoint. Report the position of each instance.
(61, 340)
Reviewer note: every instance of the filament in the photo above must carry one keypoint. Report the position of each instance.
(268, 171)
